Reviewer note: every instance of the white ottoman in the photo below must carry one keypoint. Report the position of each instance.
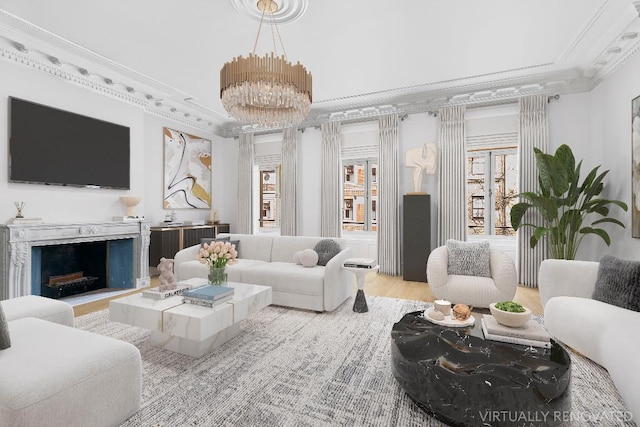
(54, 375)
(35, 306)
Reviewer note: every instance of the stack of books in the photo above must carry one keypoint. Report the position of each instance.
(208, 295)
(532, 333)
(156, 293)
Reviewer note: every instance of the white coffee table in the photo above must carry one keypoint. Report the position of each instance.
(187, 328)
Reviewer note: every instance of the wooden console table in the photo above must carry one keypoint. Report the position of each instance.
(167, 240)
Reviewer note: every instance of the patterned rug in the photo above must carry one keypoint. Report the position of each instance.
(299, 368)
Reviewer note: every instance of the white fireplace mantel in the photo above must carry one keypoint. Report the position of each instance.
(16, 241)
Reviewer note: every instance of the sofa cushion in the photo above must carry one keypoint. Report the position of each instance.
(253, 246)
(469, 258)
(5, 339)
(287, 277)
(191, 269)
(326, 249)
(51, 310)
(618, 283)
(285, 247)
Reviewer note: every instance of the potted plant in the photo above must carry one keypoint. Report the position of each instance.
(510, 313)
(564, 204)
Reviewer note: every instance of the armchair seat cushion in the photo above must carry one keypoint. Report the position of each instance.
(478, 291)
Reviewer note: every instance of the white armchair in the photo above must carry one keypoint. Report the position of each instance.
(472, 290)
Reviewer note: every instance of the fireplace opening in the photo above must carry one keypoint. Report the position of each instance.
(71, 269)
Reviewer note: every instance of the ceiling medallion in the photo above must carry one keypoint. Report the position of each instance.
(268, 91)
(288, 10)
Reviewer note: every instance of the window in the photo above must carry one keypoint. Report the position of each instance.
(269, 216)
(360, 195)
(491, 184)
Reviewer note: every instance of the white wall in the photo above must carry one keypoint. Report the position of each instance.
(57, 203)
(610, 144)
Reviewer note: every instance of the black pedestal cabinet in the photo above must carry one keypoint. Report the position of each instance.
(416, 236)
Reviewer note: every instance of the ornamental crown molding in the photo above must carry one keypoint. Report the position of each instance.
(26, 44)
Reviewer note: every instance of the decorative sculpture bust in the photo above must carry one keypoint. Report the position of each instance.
(167, 280)
(423, 160)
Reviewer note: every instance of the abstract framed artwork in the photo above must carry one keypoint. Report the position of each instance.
(187, 171)
(635, 167)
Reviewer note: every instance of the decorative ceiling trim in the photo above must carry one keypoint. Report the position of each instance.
(27, 44)
(288, 10)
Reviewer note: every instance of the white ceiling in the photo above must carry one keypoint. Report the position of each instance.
(366, 56)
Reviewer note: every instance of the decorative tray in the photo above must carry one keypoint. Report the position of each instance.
(448, 321)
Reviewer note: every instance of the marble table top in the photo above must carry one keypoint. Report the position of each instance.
(171, 316)
(463, 379)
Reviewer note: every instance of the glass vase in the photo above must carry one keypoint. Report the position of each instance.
(217, 276)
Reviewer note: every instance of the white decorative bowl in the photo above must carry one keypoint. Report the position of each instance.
(508, 318)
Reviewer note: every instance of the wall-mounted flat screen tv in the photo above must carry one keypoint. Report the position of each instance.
(56, 147)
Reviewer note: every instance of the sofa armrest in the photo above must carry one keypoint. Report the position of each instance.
(338, 282)
(558, 277)
(186, 254)
(437, 265)
(503, 272)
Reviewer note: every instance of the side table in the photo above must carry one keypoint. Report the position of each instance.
(360, 304)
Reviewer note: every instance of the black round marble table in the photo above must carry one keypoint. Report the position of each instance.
(464, 380)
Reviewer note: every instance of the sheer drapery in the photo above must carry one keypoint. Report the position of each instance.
(533, 132)
(452, 218)
(388, 196)
(289, 180)
(330, 182)
(245, 184)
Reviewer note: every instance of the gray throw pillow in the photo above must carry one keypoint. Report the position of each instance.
(208, 240)
(618, 282)
(469, 258)
(5, 340)
(326, 249)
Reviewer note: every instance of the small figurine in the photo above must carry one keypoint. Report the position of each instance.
(461, 312)
(167, 280)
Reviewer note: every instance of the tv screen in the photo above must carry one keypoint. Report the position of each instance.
(51, 146)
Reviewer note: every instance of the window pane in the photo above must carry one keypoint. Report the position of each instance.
(505, 187)
(475, 194)
(268, 199)
(373, 185)
(353, 216)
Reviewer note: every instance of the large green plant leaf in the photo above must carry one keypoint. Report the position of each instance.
(597, 231)
(552, 173)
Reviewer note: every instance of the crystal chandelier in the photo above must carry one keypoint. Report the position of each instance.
(269, 90)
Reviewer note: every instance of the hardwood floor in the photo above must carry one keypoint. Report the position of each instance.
(374, 284)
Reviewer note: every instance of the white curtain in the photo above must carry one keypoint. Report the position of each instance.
(388, 207)
(452, 218)
(245, 184)
(289, 180)
(533, 133)
(330, 182)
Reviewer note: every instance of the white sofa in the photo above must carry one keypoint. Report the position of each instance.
(268, 260)
(472, 290)
(58, 376)
(604, 333)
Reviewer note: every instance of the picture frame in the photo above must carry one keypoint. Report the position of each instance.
(187, 171)
(635, 167)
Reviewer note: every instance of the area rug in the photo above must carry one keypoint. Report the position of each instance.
(300, 368)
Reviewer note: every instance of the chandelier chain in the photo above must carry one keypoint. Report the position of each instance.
(273, 24)
(255, 44)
